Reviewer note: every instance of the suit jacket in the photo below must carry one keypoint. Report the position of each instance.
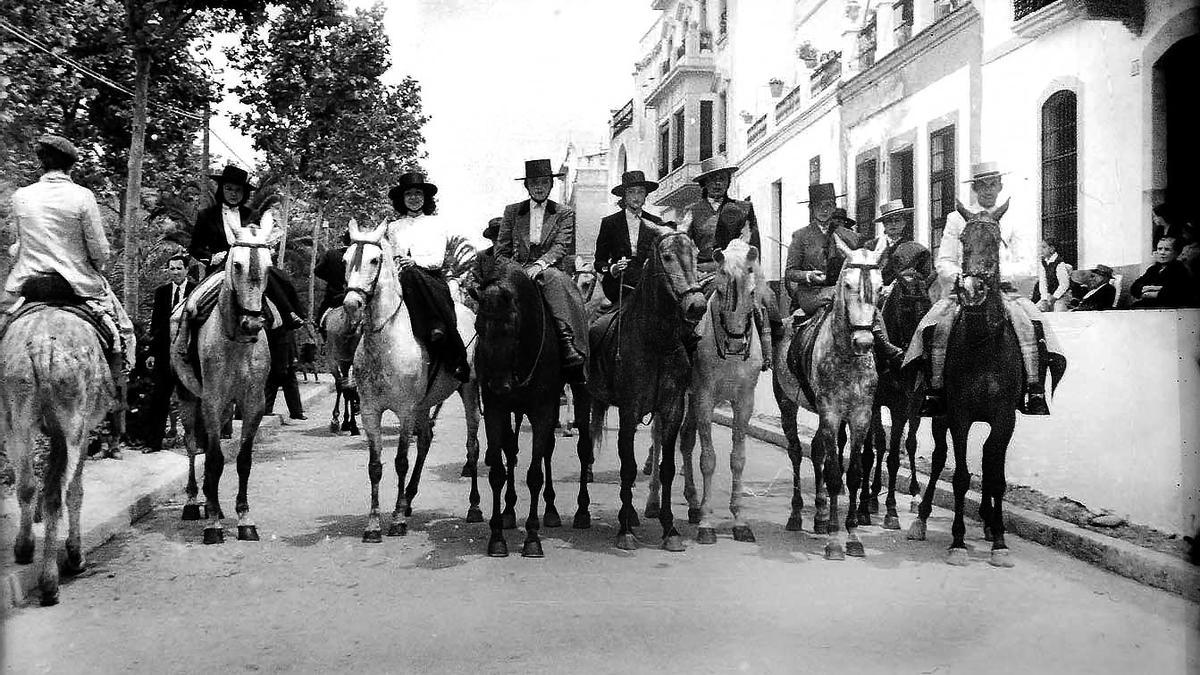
(208, 235)
(903, 255)
(160, 320)
(1098, 299)
(812, 251)
(714, 234)
(1175, 282)
(612, 244)
(557, 237)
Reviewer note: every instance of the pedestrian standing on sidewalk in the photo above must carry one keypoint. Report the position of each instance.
(282, 343)
(167, 297)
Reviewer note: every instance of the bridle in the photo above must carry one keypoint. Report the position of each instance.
(238, 308)
(367, 293)
(866, 291)
(724, 350)
(677, 297)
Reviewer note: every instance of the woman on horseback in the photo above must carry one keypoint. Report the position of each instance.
(420, 247)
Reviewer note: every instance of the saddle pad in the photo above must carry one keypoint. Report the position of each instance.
(800, 353)
(107, 340)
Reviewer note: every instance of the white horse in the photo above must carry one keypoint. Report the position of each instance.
(393, 372)
(726, 367)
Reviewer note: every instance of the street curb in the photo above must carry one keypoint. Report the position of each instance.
(22, 579)
(1128, 560)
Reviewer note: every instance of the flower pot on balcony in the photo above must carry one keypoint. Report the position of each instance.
(776, 88)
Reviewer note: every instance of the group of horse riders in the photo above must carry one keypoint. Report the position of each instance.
(61, 250)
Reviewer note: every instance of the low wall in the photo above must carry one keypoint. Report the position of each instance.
(1125, 430)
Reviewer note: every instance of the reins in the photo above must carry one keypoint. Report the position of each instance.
(369, 293)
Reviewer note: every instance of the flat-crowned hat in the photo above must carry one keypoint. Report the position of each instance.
(492, 231)
(893, 208)
(1103, 270)
(412, 179)
(634, 179)
(984, 170)
(840, 214)
(539, 168)
(60, 144)
(821, 191)
(713, 166)
(233, 174)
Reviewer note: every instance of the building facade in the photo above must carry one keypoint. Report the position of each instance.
(585, 189)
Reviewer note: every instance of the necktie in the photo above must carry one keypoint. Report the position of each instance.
(175, 298)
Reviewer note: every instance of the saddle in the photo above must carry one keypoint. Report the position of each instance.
(800, 352)
(51, 291)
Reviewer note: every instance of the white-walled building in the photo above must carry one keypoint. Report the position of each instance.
(584, 188)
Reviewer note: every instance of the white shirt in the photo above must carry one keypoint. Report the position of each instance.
(949, 260)
(178, 293)
(419, 238)
(537, 217)
(633, 221)
(231, 216)
(715, 204)
(1063, 272)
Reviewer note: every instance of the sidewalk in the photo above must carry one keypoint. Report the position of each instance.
(1129, 560)
(117, 493)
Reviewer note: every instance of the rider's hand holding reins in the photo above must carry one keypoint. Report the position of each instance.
(218, 258)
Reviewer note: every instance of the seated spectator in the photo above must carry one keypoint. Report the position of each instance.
(1095, 291)
(1166, 284)
(1050, 291)
(1189, 250)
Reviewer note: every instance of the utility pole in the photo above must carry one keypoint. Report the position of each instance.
(204, 158)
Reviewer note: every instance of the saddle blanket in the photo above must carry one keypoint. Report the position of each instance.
(108, 339)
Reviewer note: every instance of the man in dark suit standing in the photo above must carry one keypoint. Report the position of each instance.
(539, 233)
(624, 241)
(166, 298)
(332, 270)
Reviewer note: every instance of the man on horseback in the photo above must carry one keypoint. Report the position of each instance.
(539, 233)
(420, 248)
(332, 270)
(815, 261)
(935, 328)
(621, 248)
(713, 228)
(901, 253)
(61, 252)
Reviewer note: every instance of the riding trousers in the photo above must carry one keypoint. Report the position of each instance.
(431, 307)
(565, 304)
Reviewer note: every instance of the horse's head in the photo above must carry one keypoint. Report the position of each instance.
(246, 267)
(858, 290)
(365, 258)
(981, 243)
(737, 280)
(585, 280)
(674, 259)
(499, 322)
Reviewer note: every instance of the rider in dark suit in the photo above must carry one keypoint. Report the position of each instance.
(617, 260)
(166, 298)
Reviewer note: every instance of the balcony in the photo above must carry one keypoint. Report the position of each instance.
(1034, 17)
(697, 70)
(789, 103)
(827, 73)
(622, 119)
(1023, 8)
(756, 130)
(678, 189)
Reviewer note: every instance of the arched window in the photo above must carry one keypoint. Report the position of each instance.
(1060, 193)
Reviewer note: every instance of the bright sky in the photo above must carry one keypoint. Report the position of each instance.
(505, 81)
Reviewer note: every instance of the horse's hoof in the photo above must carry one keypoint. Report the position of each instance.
(583, 520)
(399, 529)
(916, 531)
(333, 427)
(49, 598)
(793, 524)
(706, 535)
(247, 533)
(855, 548)
(532, 549)
(408, 512)
(508, 521)
(673, 543)
(634, 521)
(743, 533)
(355, 432)
(551, 519)
(626, 542)
(71, 568)
(214, 535)
(191, 512)
(1000, 558)
(863, 518)
(957, 557)
(23, 555)
(651, 511)
(474, 515)
(695, 515)
(372, 537)
(833, 551)
(873, 505)
(498, 548)
(469, 471)
(987, 533)
(891, 522)
(820, 527)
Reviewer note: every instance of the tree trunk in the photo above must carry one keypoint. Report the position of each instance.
(131, 218)
(285, 212)
(312, 263)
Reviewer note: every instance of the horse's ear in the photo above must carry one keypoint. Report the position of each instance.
(267, 227)
(999, 213)
(232, 234)
(881, 245)
(752, 254)
(846, 250)
(354, 231)
(719, 256)
(962, 210)
(685, 222)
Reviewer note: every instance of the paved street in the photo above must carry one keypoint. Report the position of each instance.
(310, 597)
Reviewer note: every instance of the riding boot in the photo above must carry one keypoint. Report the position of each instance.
(886, 352)
(764, 335)
(1035, 399)
(934, 404)
(571, 359)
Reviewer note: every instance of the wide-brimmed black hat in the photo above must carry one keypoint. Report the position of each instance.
(712, 166)
(1103, 270)
(820, 192)
(60, 144)
(492, 231)
(412, 179)
(539, 168)
(634, 179)
(233, 174)
(840, 214)
(893, 209)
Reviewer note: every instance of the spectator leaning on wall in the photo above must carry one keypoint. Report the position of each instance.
(1095, 290)
(1166, 284)
(1054, 280)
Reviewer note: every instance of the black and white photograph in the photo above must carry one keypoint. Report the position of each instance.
(599, 336)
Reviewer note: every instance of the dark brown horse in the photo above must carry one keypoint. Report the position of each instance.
(900, 394)
(520, 373)
(639, 365)
(984, 383)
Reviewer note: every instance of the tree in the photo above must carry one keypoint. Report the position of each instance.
(320, 112)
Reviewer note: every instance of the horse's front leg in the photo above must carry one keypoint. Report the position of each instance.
(687, 448)
(627, 515)
(496, 421)
(995, 450)
(957, 555)
(871, 450)
(937, 462)
(891, 520)
(372, 418)
(511, 438)
(252, 413)
(590, 414)
(856, 469)
(424, 432)
(668, 436)
(399, 526)
(706, 532)
(743, 409)
(824, 444)
(335, 423)
(653, 459)
(787, 419)
(541, 421)
(189, 417)
(212, 418)
(469, 393)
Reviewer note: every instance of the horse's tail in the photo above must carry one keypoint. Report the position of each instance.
(180, 349)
